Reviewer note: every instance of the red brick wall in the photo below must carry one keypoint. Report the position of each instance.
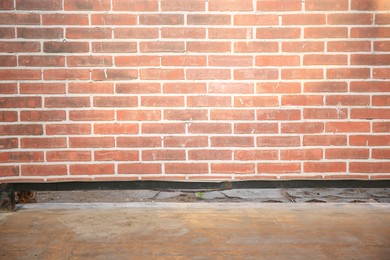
(194, 89)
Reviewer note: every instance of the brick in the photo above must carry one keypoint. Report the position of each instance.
(367, 113)
(254, 155)
(7, 61)
(183, 33)
(136, 61)
(324, 167)
(255, 74)
(301, 154)
(91, 169)
(233, 168)
(302, 74)
(68, 129)
(89, 61)
(91, 88)
(381, 127)
(112, 101)
(302, 46)
(91, 115)
(137, 88)
(230, 141)
(232, 114)
(256, 101)
(348, 73)
(114, 47)
(208, 19)
(39, 33)
(114, 74)
(317, 59)
(347, 100)
(380, 153)
(302, 100)
(209, 101)
(349, 19)
(349, 46)
(161, 19)
(256, 19)
(347, 127)
(370, 59)
(166, 128)
(344, 153)
(20, 102)
(230, 5)
(18, 157)
(135, 33)
(48, 143)
(151, 141)
(367, 5)
(186, 115)
(7, 33)
(369, 86)
(326, 5)
(381, 73)
(12, 47)
(210, 128)
(204, 74)
(163, 155)
(370, 167)
(302, 128)
(88, 33)
(8, 88)
(278, 5)
(327, 32)
(255, 128)
(140, 168)
(201, 47)
(42, 116)
(135, 5)
(87, 5)
(62, 102)
(65, 47)
(278, 33)
(186, 168)
(325, 113)
(118, 155)
(276, 114)
(115, 129)
(179, 5)
(44, 5)
(162, 101)
(8, 143)
(91, 142)
(64, 19)
(230, 61)
(367, 140)
(138, 115)
(231, 88)
(325, 86)
(370, 32)
(42, 88)
(161, 74)
(381, 100)
(324, 140)
(41, 61)
(303, 19)
(278, 168)
(255, 47)
(184, 88)
(206, 155)
(43, 170)
(278, 141)
(382, 19)
(6, 4)
(185, 141)
(274, 60)
(64, 156)
(18, 74)
(113, 19)
(229, 33)
(8, 116)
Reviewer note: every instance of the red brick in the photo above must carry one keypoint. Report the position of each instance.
(21, 130)
(347, 100)
(366, 113)
(115, 129)
(278, 168)
(302, 128)
(184, 33)
(89, 61)
(325, 113)
(64, 19)
(326, 5)
(20, 102)
(328, 32)
(317, 59)
(232, 141)
(254, 155)
(347, 153)
(349, 19)
(381, 100)
(324, 167)
(114, 74)
(381, 73)
(65, 156)
(380, 153)
(274, 60)
(256, 19)
(91, 142)
(210, 155)
(134, 33)
(8, 88)
(229, 33)
(18, 74)
(302, 74)
(152, 47)
(349, 46)
(87, 5)
(324, 140)
(256, 101)
(68, 129)
(347, 127)
(113, 19)
(65, 47)
(42, 61)
(179, 5)
(208, 19)
(255, 47)
(44, 170)
(114, 47)
(88, 33)
(36, 143)
(63, 102)
(137, 88)
(139, 141)
(367, 5)
(210, 128)
(17, 157)
(91, 169)
(187, 115)
(208, 101)
(185, 141)
(135, 5)
(303, 46)
(381, 127)
(65, 74)
(91, 88)
(44, 5)
(231, 88)
(232, 114)
(302, 100)
(230, 61)
(255, 74)
(162, 101)
(161, 19)
(301, 154)
(166, 128)
(348, 73)
(7, 33)
(278, 141)
(233, 168)
(138, 115)
(140, 168)
(19, 47)
(273, 114)
(279, 5)
(208, 47)
(163, 155)
(325, 86)
(369, 86)
(370, 59)
(91, 115)
(186, 168)
(367, 140)
(278, 33)
(8, 116)
(161, 74)
(204, 74)
(6, 4)
(7, 61)
(112, 101)
(382, 46)
(370, 167)
(39, 33)
(184, 88)
(136, 61)
(370, 32)
(8, 143)
(42, 116)
(118, 155)
(303, 19)
(255, 128)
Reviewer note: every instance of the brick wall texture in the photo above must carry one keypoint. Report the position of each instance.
(194, 90)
